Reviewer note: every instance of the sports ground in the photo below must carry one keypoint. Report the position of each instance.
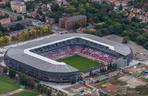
(79, 62)
(26, 93)
(7, 85)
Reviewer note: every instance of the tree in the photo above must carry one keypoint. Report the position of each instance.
(142, 89)
(7, 4)
(12, 73)
(6, 39)
(26, 81)
(146, 45)
(24, 36)
(120, 7)
(103, 94)
(1, 42)
(70, 9)
(41, 88)
(3, 29)
(131, 2)
(19, 18)
(125, 40)
(49, 92)
(5, 70)
(117, 95)
(19, 26)
(141, 40)
(22, 79)
(44, 29)
(30, 83)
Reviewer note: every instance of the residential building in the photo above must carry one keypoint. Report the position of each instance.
(18, 6)
(71, 22)
(28, 0)
(5, 20)
(2, 2)
(135, 13)
(117, 2)
(97, 1)
(61, 2)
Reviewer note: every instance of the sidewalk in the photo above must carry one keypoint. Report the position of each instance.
(12, 92)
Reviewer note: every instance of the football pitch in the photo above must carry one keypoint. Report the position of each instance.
(79, 62)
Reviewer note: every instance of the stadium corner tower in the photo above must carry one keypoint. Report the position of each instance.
(39, 59)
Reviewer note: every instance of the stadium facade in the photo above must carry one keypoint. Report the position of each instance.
(38, 58)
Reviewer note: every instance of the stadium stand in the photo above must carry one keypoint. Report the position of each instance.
(39, 59)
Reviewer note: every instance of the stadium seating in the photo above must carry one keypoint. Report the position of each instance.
(87, 52)
(77, 46)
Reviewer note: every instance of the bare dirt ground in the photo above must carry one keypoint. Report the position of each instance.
(139, 52)
(131, 81)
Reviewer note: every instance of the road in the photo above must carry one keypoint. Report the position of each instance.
(4, 49)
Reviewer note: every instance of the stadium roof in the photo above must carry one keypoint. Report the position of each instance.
(22, 53)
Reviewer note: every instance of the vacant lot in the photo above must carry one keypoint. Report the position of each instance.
(132, 82)
(139, 52)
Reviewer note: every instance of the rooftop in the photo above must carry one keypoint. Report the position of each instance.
(22, 53)
(75, 18)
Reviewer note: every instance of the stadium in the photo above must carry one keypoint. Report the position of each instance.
(61, 58)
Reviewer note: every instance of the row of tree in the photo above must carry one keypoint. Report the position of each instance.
(32, 33)
(26, 35)
(30, 83)
(4, 40)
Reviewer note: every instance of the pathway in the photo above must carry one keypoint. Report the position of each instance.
(12, 92)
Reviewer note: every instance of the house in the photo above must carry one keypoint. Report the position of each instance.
(61, 2)
(98, 1)
(28, 0)
(33, 14)
(4, 18)
(135, 13)
(2, 2)
(18, 6)
(71, 22)
(50, 20)
(117, 2)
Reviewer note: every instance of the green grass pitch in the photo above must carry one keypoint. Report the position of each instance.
(26, 93)
(79, 62)
(7, 85)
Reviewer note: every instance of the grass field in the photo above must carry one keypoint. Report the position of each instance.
(26, 93)
(79, 62)
(7, 85)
